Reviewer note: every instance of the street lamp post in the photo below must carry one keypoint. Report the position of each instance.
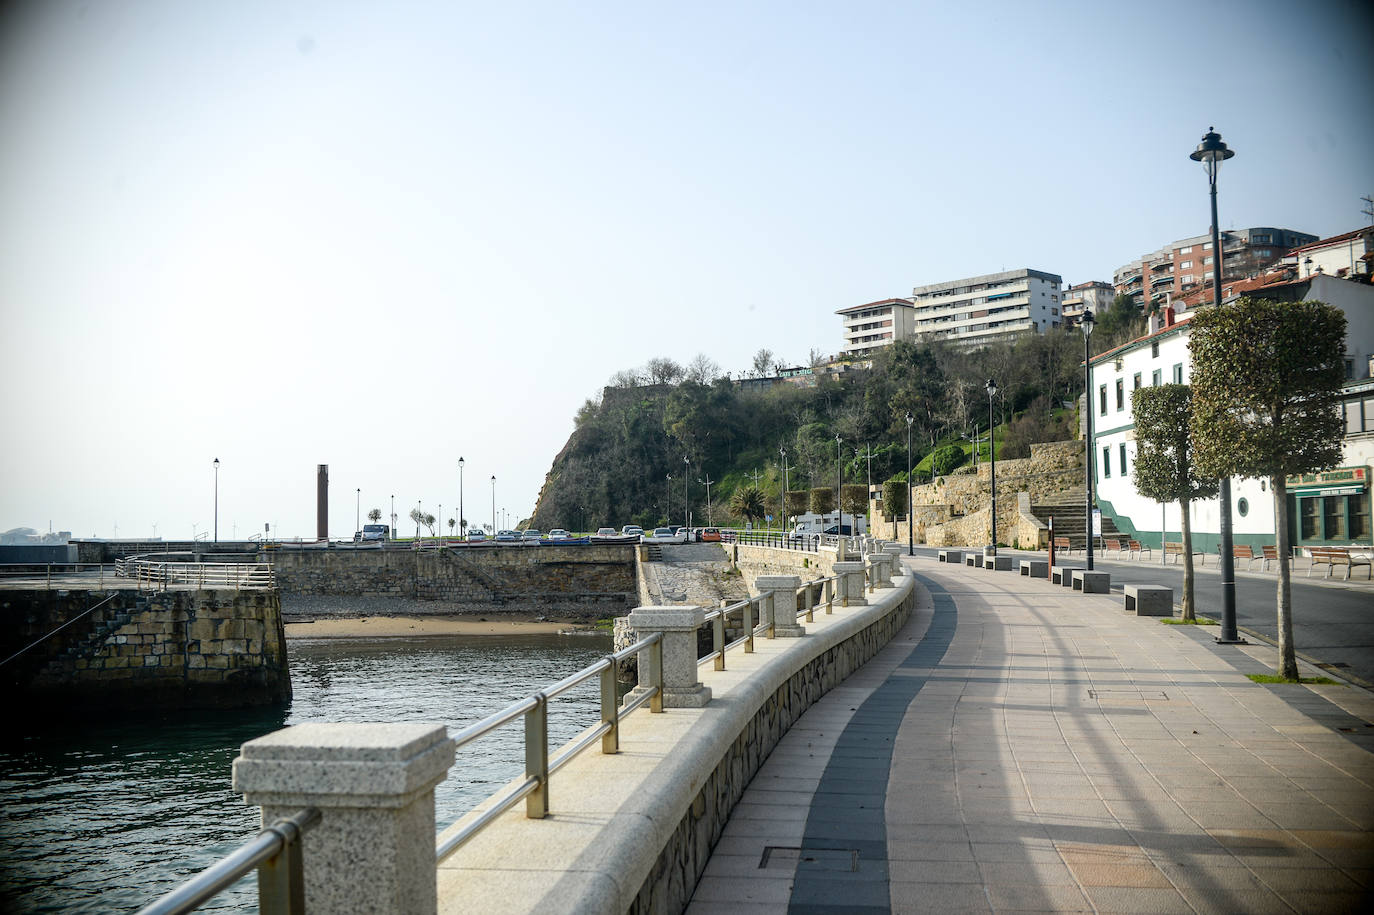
(668, 493)
(393, 516)
(783, 516)
(708, 481)
(839, 487)
(910, 542)
(992, 456)
(216, 500)
(686, 474)
(1211, 152)
(358, 509)
(1086, 323)
(493, 505)
(462, 522)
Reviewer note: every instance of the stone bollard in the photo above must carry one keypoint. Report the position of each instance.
(679, 625)
(373, 848)
(784, 588)
(880, 565)
(851, 591)
(896, 551)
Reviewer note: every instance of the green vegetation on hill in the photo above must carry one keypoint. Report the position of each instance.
(624, 462)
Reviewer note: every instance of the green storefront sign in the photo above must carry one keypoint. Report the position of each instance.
(1343, 481)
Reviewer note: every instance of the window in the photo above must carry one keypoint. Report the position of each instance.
(1123, 459)
(1185, 265)
(1333, 512)
(1207, 246)
(1102, 400)
(1206, 260)
(1243, 506)
(1154, 379)
(1178, 373)
(1260, 240)
(1187, 250)
(1154, 349)
(1120, 394)
(1135, 382)
(1106, 463)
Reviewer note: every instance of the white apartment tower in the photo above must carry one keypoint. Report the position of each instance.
(987, 309)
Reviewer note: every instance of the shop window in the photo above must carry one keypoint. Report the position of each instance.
(1310, 514)
(1359, 517)
(1333, 520)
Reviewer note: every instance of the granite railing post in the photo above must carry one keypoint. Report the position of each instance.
(880, 564)
(681, 686)
(851, 584)
(895, 551)
(784, 588)
(373, 849)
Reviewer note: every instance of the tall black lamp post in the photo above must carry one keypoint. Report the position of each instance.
(992, 455)
(783, 452)
(462, 523)
(686, 472)
(839, 487)
(910, 522)
(358, 509)
(493, 505)
(668, 491)
(1086, 323)
(1211, 152)
(216, 500)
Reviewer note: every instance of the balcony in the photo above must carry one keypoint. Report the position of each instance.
(1131, 276)
(1164, 280)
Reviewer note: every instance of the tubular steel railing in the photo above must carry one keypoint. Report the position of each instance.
(539, 765)
(751, 614)
(808, 543)
(275, 852)
(160, 574)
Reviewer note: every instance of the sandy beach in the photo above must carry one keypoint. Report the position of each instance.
(409, 626)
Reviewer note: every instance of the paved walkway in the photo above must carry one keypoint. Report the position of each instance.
(1021, 747)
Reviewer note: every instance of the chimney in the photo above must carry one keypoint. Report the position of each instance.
(322, 502)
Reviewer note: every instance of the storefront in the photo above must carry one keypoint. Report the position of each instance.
(1330, 508)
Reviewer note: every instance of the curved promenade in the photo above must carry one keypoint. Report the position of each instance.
(1021, 747)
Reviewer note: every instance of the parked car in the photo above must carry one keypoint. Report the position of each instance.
(710, 535)
(664, 535)
(476, 535)
(559, 534)
(631, 530)
(530, 535)
(507, 536)
(605, 533)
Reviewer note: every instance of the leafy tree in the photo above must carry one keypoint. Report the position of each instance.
(429, 523)
(1164, 467)
(894, 501)
(945, 459)
(374, 515)
(748, 502)
(451, 525)
(1118, 324)
(1266, 396)
(822, 500)
(797, 502)
(854, 498)
(663, 371)
(418, 517)
(763, 361)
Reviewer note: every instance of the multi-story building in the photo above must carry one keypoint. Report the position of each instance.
(1095, 296)
(1186, 265)
(990, 308)
(1350, 256)
(875, 325)
(1326, 509)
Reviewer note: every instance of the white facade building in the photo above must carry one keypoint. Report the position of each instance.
(1327, 509)
(985, 309)
(875, 325)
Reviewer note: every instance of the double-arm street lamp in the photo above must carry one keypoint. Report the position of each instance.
(909, 522)
(991, 387)
(1086, 323)
(1211, 152)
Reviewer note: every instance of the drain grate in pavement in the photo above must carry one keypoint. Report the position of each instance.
(828, 859)
(1138, 695)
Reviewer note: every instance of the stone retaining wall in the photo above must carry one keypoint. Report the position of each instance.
(753, 561)
(170, 649)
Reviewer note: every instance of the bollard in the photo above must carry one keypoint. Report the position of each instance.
(879, 566)
(373, 849)
(782, 596)
(851, 584)
(679, 625)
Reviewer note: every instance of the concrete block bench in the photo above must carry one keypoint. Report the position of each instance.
(954, 556)
(1092, 582)
(997, 563)
(1063, 575)
(1149, 600)
(1035, 568)
(971, 560)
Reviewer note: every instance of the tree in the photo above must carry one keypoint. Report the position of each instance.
(429, 523)
(822, 500)
(796, 502)
(763, 361)
(1164, 467)
(374, 515)
(418, 517)
(663, 371)
(1266, 395)
(748, 502)
(854, 499)
(451, 525)
(702, 370)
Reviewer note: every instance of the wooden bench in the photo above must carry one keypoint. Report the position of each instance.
(1121, 546)
(1333, 556)
(1140, 549)
(1242, 551)
(1176, 549)
(1061, 545)
(1271, 554)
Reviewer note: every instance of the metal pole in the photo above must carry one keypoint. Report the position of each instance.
(493, 504)
(1088, 447)
(992, 454)
(358, 510)
(839, 506)
(462, 524)
(910, 523)
(687, 465)
(1228, 636)
(217, 499)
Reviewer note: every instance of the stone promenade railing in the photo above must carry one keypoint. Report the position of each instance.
(623, 830)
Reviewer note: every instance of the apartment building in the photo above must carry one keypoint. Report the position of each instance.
(1349, 256)
(985, 309)
(875, 325)
(1095, 296)
(1187, 264)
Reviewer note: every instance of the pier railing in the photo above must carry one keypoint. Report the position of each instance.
(160, 573)
(275, 853)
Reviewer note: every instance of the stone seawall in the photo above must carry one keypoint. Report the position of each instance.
(170, 649)
(579, 582)
(753, 561)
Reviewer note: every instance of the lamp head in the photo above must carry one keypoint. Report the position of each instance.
(1087, 322)
(1211, 152)
(460, 462)
(909, 417)
(991, 387)
(217, 463)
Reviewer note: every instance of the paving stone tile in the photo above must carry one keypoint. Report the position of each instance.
(1144, 900)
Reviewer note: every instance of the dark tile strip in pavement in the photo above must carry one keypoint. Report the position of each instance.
(841, 819)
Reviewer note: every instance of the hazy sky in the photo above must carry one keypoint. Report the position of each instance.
(383, 235)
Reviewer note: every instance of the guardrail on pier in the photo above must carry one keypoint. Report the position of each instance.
(161, 573)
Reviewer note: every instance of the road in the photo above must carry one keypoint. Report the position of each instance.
(1333, 620)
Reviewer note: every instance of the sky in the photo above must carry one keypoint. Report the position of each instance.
(381, 236)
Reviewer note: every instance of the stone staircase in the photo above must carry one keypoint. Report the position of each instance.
(653, 552)
(95, 630)
(1068, 510)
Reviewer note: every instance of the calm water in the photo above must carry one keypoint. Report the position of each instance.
(106, 816)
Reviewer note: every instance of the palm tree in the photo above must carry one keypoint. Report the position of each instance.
(748, 502)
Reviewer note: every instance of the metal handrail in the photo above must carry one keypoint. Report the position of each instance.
(241, 576)
(539, 766)
(749, 621)
(275, 853)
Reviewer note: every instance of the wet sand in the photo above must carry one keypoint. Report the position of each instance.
(409, 626)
